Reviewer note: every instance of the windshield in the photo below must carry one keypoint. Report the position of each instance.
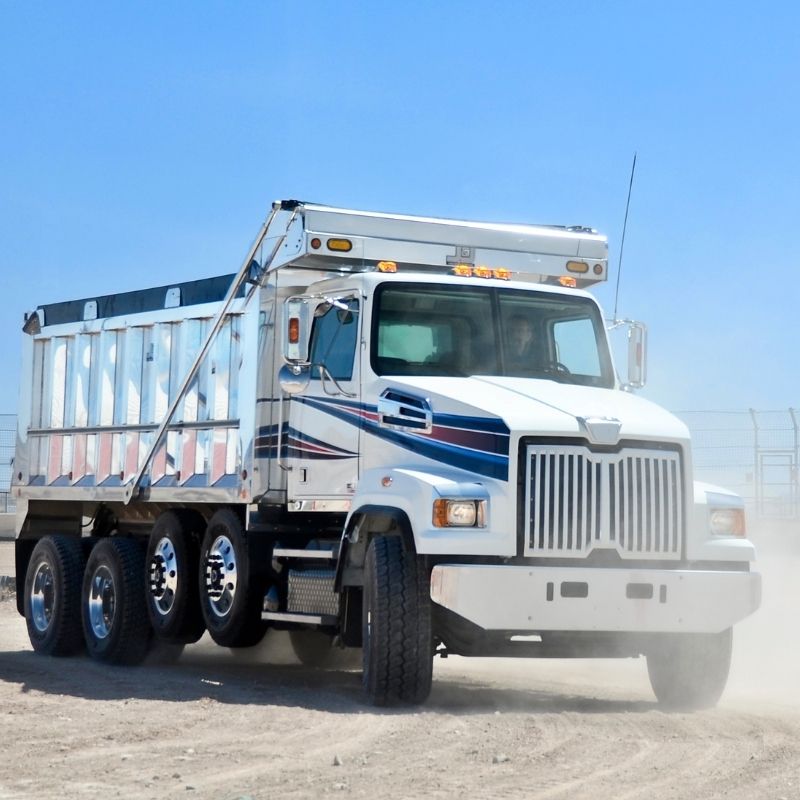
(421, 329)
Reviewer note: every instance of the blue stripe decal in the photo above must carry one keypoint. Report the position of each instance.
(266, 445)
(491, 464)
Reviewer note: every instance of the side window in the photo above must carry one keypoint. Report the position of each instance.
(333, 341)
(576, 346)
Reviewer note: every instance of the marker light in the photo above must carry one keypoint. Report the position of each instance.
(568, 281)
(503, 274)
(294, 330)
(577, 266)
(315, 243)
(462, 270)
(482, 272)
(597, 269)
(342, 245)
(459, 513)
(387, 266)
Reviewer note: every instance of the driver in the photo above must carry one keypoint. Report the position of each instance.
(521, 350)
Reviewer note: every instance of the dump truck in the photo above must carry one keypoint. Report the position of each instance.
(395, 433)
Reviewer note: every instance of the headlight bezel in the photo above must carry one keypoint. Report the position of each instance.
(459, 512)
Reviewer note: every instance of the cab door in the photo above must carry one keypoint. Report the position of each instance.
(320, 441)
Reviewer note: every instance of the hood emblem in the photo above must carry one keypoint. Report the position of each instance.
(601, 430)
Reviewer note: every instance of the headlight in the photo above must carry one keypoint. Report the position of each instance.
(727, 521)
(459, 513)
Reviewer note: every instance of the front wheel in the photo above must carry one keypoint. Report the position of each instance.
(689, 670)
(396, 624)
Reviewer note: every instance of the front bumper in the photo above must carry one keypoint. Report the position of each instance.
(536, 599)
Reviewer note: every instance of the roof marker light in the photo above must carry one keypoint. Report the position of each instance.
(568, 281)
(387, 266)
(462, 270)
(482, 272)
(503, 274)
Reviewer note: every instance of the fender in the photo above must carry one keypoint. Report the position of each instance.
(362, 524)
(701, 543)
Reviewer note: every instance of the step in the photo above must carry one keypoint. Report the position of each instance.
(303, 619)
(290, 552)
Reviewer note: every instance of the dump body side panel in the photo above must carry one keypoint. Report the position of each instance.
(96, 390)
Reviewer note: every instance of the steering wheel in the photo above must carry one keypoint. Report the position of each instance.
(558, 368)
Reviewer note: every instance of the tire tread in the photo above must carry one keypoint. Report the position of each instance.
(400, 663)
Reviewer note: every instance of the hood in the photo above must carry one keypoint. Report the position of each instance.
(542, 407)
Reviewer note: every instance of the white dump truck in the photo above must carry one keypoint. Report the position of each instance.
(395, 433)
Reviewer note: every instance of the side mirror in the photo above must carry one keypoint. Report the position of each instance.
(637, 355)
(294, 378)
(298, 316)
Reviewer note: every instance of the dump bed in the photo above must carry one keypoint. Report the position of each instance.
(169, 389)
(99, 377)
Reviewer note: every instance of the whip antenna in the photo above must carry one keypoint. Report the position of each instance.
(622, 241)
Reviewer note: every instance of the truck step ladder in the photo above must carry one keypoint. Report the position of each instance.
(297, 617)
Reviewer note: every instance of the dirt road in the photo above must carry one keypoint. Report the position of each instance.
(224, 727)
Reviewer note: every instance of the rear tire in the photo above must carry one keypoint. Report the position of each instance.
(173, 598)
(689, 671)
(113, 603)
(52, 596)
(231, 595)
(398, 646)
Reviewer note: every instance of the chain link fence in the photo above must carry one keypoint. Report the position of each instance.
(8, 434)
(754, 453)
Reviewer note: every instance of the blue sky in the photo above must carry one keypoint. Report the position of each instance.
(141, 144)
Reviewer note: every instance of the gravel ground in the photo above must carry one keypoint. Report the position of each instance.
(256, 725)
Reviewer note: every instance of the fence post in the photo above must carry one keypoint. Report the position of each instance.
(795, 494)
(758, 490)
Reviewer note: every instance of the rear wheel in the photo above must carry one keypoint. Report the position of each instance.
(52, 598)
(114, 608)
(689, 670)
(231, 595)
(397, 641)
(173, 600)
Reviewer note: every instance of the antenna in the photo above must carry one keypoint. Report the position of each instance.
(622, 241)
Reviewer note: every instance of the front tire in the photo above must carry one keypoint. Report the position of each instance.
(52, 599)
(114, 608)
(398, 646)
(231, 596)
(689, 671)
(173, 599)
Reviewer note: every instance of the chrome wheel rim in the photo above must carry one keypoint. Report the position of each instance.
(43, 597)
(164, 576)
(102, 602)
(221, 576)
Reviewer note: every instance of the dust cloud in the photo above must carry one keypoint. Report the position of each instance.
(766, 646)
(764, 671)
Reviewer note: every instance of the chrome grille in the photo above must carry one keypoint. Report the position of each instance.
(578, 500)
